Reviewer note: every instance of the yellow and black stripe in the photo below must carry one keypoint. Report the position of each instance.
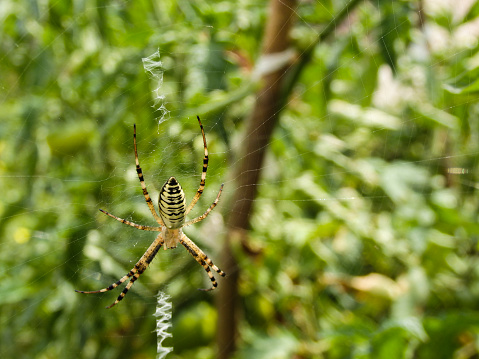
(134, 274)
(202, 259)
(142, 181)
(139, 226)
(172, 204)
(203, 173)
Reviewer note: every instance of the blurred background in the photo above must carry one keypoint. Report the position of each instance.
(353, 232)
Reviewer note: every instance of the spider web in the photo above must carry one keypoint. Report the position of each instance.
(322, 165)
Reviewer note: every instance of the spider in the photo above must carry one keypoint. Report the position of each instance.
(171, 205)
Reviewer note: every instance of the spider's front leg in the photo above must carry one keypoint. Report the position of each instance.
(202, 259)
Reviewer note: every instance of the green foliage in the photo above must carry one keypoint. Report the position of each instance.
(364, 238)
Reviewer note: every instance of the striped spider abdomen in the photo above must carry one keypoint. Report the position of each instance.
(172, 204)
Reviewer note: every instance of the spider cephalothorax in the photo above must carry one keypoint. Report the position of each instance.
(172, 218)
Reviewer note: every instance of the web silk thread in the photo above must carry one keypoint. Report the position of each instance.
(163, 323)
(154, 68)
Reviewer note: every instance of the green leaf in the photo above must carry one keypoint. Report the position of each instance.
(466, 83)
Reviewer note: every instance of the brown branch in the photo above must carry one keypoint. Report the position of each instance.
(258, 132)
(270, 100)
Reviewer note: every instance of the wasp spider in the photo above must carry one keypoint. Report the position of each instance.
(173, 211)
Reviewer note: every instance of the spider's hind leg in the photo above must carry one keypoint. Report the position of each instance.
(113, 286)
(127, 288)
(135, 273)
(202, 259)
